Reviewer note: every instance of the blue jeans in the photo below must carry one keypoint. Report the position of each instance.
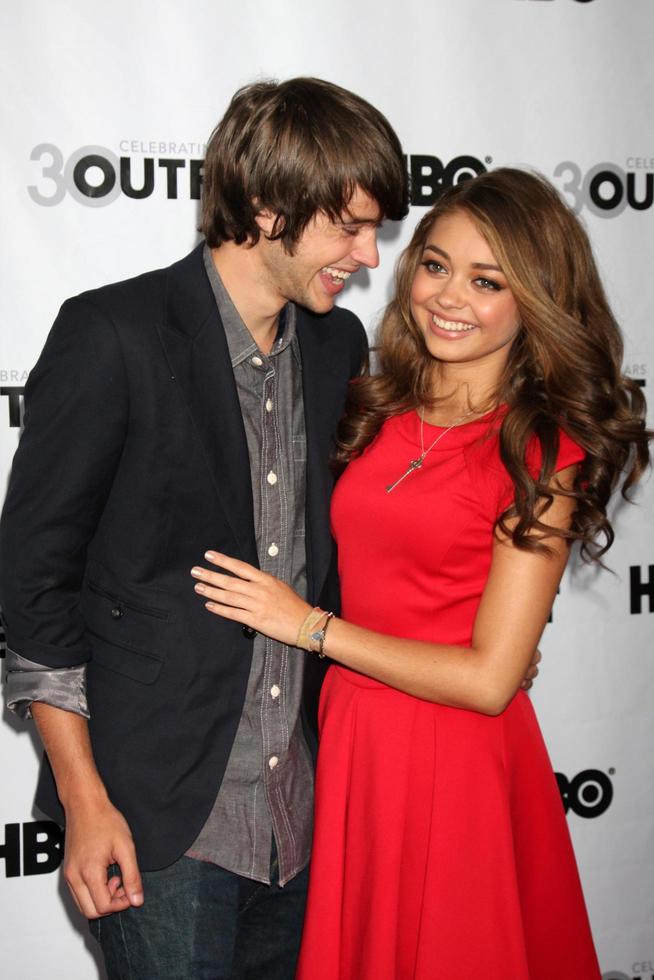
(200, 922)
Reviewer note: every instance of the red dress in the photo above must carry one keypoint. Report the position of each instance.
(441, 847)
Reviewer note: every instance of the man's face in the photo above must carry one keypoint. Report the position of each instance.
(326, 255)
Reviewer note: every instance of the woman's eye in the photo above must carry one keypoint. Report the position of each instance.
(432, 266)
(488, 284)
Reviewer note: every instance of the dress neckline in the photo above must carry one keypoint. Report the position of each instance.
(459, 435)
(499, 411)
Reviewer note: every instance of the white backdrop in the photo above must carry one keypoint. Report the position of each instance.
(566, 86)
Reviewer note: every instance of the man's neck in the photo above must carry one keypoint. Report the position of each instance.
(242, 276)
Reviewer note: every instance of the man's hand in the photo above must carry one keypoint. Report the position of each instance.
(97, 836)
(532, 671)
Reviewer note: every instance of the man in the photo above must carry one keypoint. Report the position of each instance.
(188, 408)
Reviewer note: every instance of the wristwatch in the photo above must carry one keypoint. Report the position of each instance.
(317, 638)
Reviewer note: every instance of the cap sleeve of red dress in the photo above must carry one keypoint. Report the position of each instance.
(569, 453)
(494, 483)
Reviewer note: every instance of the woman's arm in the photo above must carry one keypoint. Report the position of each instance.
(484, 677)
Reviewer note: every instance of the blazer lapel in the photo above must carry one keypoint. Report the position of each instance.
(196, 348)
(323, 390)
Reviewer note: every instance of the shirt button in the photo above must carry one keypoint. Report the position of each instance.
(269, 405)
(273, 550)
(257, 361)
(272, 761)
(275, 691)
(272, 478)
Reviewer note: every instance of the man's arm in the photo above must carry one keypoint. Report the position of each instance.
(97, 834)
(75, 422)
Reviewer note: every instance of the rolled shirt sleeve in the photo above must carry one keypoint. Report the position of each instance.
(61, 687)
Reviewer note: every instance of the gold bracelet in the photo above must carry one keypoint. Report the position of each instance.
(319, 637)
(310, 622)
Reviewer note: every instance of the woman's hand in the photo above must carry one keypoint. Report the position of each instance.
(247, 595)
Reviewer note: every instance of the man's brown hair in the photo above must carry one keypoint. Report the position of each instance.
(296, 148)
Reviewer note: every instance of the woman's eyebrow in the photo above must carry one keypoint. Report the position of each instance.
(474, 265)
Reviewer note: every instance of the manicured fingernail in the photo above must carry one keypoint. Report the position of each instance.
(197, 572)
(210, 605)
(136, 898)
(211, 555)
(199, 587)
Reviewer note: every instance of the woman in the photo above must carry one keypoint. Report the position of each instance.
(489, 442)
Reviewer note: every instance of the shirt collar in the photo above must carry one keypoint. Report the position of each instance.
(240, 342)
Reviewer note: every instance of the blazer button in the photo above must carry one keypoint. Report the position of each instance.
(248, 632)
(116, 612)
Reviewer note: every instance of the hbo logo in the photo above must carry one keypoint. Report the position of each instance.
(589, 794)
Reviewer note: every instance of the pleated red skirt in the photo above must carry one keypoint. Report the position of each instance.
(441, 846)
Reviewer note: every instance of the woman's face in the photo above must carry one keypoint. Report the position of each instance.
(460, 299)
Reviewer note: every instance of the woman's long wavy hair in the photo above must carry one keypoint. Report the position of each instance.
(563, 369)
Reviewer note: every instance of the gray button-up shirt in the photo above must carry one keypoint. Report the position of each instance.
(267, 787)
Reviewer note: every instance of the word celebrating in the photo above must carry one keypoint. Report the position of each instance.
(95, 176)
(589, 794)
(162, 146)
(606, 190)
(42, 848)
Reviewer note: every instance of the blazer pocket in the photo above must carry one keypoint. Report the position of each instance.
(127, 637)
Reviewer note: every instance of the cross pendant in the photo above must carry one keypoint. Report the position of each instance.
(414, 464)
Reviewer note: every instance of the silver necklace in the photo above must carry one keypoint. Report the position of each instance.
(415, 464)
